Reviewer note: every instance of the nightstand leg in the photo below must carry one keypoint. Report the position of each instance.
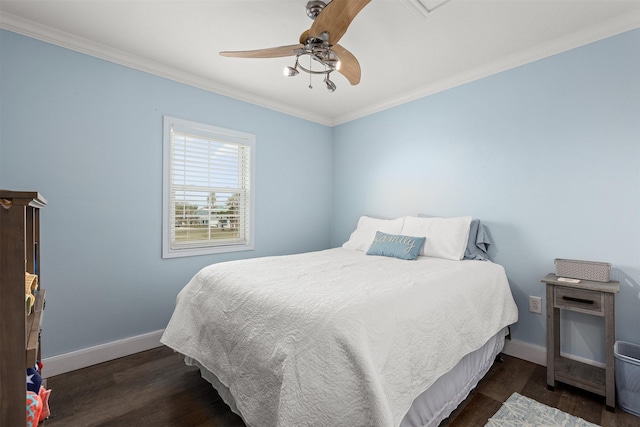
(552, 339)
(609, 325)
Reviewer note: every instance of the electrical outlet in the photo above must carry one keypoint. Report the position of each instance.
(535, 304)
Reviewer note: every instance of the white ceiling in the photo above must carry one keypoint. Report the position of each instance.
(405, 52)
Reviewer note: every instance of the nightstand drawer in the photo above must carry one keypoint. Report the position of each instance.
(579, 300)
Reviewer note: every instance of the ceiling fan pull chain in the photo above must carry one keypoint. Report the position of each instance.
(310, 65)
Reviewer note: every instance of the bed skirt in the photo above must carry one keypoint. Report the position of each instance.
(433, 405)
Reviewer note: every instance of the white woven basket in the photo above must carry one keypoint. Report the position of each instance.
(584, 270)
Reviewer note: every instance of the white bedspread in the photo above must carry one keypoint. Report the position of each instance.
(336, 337)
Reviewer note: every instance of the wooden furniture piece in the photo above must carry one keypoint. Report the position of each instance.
(19, 334)
(595, 298)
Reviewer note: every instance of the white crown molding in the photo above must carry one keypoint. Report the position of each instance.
(69, 41)
(607, 29)
(47, 34)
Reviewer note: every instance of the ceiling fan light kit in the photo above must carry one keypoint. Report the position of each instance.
(331, 86)
(291, 71)
(319, 43)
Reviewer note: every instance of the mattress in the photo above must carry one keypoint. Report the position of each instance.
(336, 337)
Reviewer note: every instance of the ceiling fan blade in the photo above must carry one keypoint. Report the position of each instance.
(304, 36)
(335, 18)
(349, 65)
(272, 52)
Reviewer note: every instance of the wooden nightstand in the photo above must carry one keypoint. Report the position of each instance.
(595, 298)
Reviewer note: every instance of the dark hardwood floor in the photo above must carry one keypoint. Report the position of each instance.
(155, 388)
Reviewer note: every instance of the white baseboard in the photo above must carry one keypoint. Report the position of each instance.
(537, 354)
(525, 351)
(79, 359)
(68, 362)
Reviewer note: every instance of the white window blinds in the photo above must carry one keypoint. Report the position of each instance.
(208, 200)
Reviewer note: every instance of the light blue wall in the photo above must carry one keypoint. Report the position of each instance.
(87, 134)
(547, 155)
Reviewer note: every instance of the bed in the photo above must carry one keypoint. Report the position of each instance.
(343, 338)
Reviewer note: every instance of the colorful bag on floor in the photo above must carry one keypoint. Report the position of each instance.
(37, 407)
(34, 409)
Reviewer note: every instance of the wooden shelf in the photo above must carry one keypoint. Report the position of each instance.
(578, 374)
(19, 334)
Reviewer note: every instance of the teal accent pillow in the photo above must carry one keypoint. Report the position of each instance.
(395, 245)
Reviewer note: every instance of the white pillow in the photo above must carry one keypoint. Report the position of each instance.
(364, 234)
(446, 237)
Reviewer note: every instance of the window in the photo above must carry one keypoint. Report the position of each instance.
(207, 189)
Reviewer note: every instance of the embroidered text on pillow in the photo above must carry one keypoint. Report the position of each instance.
(409, 241)
(397, 246)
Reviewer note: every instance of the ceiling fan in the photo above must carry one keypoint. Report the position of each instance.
(319, 43)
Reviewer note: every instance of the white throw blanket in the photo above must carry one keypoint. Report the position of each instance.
(336, 337)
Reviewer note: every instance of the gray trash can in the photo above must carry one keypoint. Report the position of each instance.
(627, 366)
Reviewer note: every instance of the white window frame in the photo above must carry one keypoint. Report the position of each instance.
(219, 134)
